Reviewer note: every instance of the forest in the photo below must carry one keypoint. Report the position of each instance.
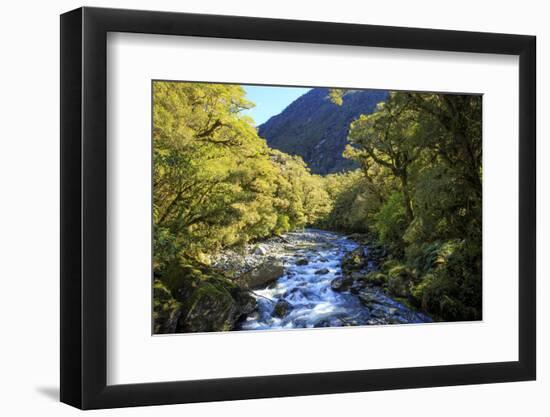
(416, 194)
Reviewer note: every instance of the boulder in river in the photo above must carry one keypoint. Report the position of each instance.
(368, 298)
(215, 305)
(302, 262)
(263, 275)
(281, 308)
(354, 260)
(341, 284)
(323, 271)
(209, 309)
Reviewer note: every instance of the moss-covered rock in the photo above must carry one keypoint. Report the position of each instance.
(166, 310)
(354, 260)
(376, 278)
(209, 309)
(181, 279)
(196, 298)
(400, 280)
(281, 308)
(341, 284)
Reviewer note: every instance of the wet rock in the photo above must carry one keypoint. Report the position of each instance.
(281, 308)
(245, 303)
(341, 284)
(322, 271)
(302, 261)
(357, 286)
(398, 320)
(378, 313)
(367, 298)
(354, 260)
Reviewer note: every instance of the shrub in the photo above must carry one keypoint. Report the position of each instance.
(376, 278)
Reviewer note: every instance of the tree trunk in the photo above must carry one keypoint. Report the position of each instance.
(409, 216)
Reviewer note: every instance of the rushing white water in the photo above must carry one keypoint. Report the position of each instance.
(307, 290)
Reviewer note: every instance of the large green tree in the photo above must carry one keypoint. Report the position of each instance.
(215, 181)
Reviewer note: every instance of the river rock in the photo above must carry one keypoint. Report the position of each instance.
(341, 284)
(263, 275)
(302, 261)
(281, 308)
(245, 303)
(367, 298)
(215, 305)
(323, 271)
(259, 250)
(357, 286)
(378, 312)
(354, 260)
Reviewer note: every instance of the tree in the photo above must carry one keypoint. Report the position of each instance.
(391, 138)
(215, 181)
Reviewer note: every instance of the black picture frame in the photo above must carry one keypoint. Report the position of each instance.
(84, 207)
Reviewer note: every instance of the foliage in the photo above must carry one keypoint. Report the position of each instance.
(420, 173)
(390, 223)
(216, 183)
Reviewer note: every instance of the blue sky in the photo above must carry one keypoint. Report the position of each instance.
(270, 100)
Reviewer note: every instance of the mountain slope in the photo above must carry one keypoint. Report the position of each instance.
(316, 129)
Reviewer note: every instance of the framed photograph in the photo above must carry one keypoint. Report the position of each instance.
(255, 208)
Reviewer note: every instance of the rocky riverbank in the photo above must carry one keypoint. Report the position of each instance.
(311, 278)
(379, 282)
(217, 296)
(328, 282)
(197, 298)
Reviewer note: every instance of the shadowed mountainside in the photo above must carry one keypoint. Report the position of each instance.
(316, 129)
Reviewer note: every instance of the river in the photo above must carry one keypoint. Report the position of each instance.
(312, 260)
